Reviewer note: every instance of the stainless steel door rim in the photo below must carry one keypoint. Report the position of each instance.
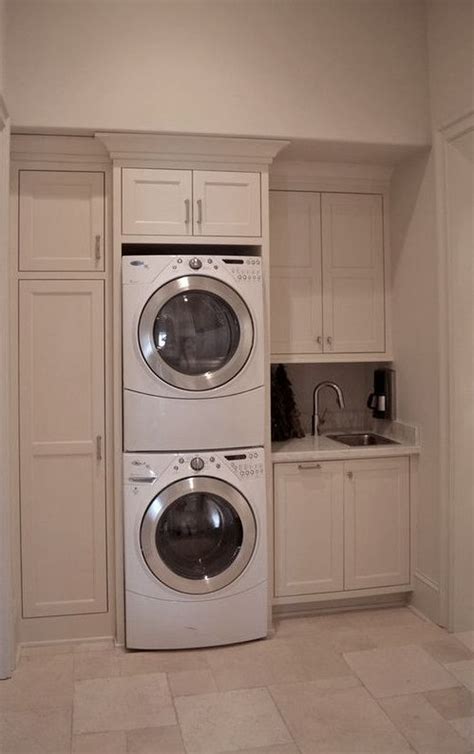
(207, 380)
(172, 494)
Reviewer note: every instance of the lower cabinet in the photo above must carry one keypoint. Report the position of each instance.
(341, 525)
(62, 467)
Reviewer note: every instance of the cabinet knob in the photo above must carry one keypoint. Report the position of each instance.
(350, 474)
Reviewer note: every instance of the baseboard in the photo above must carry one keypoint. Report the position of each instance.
(425, 597)
(336, 606)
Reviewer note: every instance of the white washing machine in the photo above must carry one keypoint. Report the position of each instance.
(193, 352)
(195, 548)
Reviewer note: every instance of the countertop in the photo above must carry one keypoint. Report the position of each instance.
(321, 448)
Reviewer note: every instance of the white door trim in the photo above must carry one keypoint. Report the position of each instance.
(6, 596)
(444, 139)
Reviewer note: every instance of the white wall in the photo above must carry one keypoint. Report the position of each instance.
(415, 300)
(451, 58)
(325, 69)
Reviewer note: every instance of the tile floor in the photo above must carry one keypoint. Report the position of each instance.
(365, 682)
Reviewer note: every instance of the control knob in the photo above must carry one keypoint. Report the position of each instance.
(195, 263)
(197, 464)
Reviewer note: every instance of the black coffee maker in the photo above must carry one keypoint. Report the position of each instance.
(382, 400)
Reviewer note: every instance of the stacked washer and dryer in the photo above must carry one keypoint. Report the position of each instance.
(194, 470)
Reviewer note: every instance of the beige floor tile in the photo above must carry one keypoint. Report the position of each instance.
(424, 728)
(463, 671)
(133, 663)
(465, 727)
(185, 682)
(164, 740)
(212, 723)
(398, 670)
(448, 649)
(103, 645)
(280, 749)
(46, 650)
(467, 638)
(46, 683)
(95, 665)
(397, 636)
(349, 640)
(35, 731)
(113, 742)
(452, 703)
(107, 704)
(336, 721)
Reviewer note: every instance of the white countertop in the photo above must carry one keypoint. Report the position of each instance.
(321, 448)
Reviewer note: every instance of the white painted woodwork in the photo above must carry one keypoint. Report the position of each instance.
(61, 221)
(295, 269)
(63, 518)
(376, 523)
(353, 273)
(308, 528)
(156, 202)
(226, 204)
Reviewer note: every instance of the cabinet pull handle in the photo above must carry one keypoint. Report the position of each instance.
(319, 340)
(304, 466)
(329, 340)
(350, 475)
(199, 209)
(97, 248)
(187, 206)
(98, 447)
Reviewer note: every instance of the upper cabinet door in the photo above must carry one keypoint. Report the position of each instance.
(156, 202)
(61, 221)
(295, 269)
(226, 204)
(353, 273)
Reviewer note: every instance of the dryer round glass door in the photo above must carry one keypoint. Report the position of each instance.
(198, 535)
(196, 333)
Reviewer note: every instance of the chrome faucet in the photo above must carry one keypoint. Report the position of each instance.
(317, 420)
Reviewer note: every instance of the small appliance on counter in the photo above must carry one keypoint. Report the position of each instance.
(382, 400)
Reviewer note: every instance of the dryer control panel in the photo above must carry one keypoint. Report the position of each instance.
(248, 464)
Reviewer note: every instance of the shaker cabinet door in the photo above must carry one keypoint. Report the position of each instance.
(308, 528)
(61, 221)
(376, 523)
(295, 272)
(156, 202)
(353, 273)
(62, 471)
(226, 204)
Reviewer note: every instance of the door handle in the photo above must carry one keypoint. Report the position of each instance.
(187, 209)
(309, 465)
(199, 211)
(98, 447)
(98, 251)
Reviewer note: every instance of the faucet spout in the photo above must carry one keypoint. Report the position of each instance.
(317, 420)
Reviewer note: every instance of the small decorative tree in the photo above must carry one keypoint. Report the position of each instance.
(285, 414)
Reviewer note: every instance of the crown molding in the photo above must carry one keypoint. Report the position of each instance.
(186, 149)
(329, 176)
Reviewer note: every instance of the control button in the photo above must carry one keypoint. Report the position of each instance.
(180, 261)
(195, 263)
(176, 468)
(209, 261)
(212, 459)
(197, 464)
(218, 465)
(216, 267)
(181, 460)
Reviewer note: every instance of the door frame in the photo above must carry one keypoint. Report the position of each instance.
(7, 632)
(445, 140)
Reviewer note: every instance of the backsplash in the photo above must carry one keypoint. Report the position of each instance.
(355, 381)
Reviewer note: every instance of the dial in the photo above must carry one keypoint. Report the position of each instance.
(195, 263)
(197, 464)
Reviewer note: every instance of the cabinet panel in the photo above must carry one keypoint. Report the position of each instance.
(353, 273)
(61, 221)
(295, 258)
(308, 528)
(156, 202)
(376, 523)
(63, 517)
(226, 204)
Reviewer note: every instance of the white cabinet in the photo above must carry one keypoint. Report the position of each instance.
(341, 526)
(376, 523)
(190, 202)
(61, 221)
(295, 294)
(327, 274)
(308, 528)
(62, 474)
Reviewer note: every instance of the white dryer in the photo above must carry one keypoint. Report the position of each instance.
(193, 352)
(195, 549)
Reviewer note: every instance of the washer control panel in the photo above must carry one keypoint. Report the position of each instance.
(245, 465)
(245, 270)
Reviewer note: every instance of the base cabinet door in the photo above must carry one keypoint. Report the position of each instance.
(62, 474)
(308, 528)
(376, 523)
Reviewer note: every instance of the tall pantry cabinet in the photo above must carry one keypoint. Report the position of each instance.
(60, 257)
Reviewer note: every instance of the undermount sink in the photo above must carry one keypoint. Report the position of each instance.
(362, 439)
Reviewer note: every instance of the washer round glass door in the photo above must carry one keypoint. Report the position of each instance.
(195, 333)
(198, 535)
